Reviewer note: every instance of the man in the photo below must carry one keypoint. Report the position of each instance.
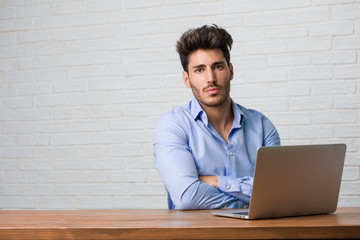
(205, 151)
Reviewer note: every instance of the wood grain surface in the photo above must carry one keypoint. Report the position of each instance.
(171, 224)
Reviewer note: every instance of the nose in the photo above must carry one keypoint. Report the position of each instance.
(211, 77)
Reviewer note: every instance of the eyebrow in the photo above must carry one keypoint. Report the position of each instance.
(213, 64)
(218, 62)
(199, 66)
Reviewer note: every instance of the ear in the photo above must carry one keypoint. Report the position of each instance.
(186, 79)
(231, 69)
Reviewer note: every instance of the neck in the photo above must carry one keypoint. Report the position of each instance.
(220, 117)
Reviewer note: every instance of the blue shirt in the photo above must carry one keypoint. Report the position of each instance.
(186, 146)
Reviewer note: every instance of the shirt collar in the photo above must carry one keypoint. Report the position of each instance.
(238, 114)
(195, 109)
(197, 112)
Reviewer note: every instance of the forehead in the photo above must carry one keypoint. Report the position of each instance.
(206, 56)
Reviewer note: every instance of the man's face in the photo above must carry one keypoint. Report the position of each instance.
(209, 77)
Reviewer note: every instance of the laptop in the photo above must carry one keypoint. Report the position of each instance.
(294, 181)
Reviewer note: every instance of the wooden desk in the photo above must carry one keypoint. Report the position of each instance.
(171, 224)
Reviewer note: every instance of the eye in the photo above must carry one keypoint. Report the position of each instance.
(199, 70)
(218, 67)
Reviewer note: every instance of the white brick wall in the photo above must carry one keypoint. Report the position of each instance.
(82, 84)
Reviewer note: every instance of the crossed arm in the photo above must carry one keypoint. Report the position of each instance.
(189, 190)
(210, 180)
(176, 165)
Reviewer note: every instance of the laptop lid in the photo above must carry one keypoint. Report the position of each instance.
(296, 180)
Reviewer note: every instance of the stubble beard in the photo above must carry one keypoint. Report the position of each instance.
(198, 94)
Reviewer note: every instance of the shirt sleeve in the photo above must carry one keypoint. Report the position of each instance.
(271, 136)
(176, 165)
(236, 187)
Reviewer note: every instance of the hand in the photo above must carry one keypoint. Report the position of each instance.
(210, 180)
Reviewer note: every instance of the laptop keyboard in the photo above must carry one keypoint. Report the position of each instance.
(241, 213)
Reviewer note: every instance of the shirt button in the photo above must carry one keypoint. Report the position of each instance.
(227, 186)
(225, 206)
(230, 153)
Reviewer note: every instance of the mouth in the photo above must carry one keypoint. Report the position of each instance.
(212, 90)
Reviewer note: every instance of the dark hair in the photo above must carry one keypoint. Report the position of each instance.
(205, 37)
